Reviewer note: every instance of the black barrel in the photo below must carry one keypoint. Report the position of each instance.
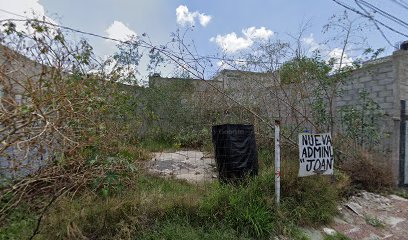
(235, 151)
(404, 45)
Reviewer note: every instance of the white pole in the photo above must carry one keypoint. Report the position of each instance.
(277, 161)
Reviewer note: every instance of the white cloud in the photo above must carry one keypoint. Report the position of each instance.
(336, 54)
(231, 43)
(204, 19)
(223, 65)
(311, 43)
(185, 17)
(119, 30)
(260, 33)
(329, 54)
(21, 7)
(26, 8)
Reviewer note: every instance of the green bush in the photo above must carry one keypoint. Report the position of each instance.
(193, 138)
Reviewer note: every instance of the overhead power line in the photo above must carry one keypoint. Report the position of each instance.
(12, 13)
(376, 25)
(370, 17)
(172, 56)
(401, 3)
(383, 13)
(149, 46)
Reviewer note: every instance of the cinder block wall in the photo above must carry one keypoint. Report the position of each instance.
(17, 70)
(386, 82)
(379, 79)
(401, 67)
(385, 79)
(400, 59)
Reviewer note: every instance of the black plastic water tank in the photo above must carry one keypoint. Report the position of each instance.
(404, 45)
(235, 151)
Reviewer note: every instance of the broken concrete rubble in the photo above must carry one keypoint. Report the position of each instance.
(373, 216)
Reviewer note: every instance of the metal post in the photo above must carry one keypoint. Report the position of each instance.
(277, 162)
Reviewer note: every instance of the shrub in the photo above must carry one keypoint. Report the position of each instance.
(193, 138)
(369, 171)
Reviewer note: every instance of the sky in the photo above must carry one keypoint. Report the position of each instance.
(224, 26)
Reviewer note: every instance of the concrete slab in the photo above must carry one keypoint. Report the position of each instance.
(193, 166)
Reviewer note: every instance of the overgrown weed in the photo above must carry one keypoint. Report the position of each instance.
(374, 221)
(19, 224)
(156, 208)
(368, 171)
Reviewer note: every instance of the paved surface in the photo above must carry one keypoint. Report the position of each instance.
(193, 166)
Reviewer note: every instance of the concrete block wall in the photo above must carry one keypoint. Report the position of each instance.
(12, 66)
(260, 92)
(17, 72)
(378, 79)
(16, 68)
(385, 80)
(401, 60)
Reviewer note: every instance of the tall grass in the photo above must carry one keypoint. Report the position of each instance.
(156, 208)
